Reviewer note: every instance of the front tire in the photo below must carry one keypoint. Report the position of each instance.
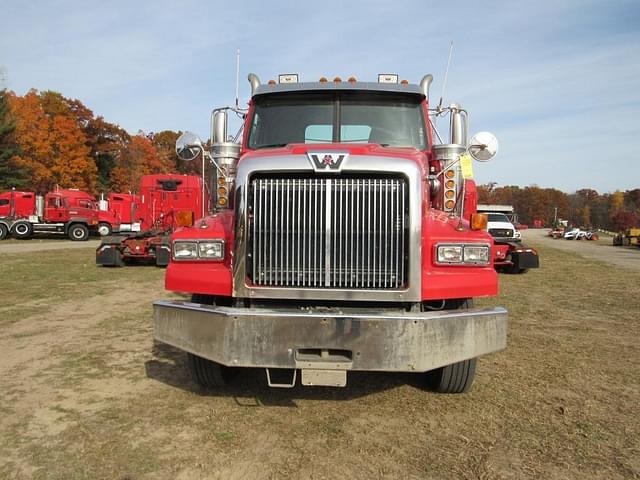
(104, 229)
(78, 232)
(457, 377)
(206, 373)
(22, 230)
(4, 231)
(209, 374)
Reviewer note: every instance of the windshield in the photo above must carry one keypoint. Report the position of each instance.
(498, 217)
(348, 117)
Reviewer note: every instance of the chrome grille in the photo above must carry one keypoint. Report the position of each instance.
(328, 232)
(501, 232)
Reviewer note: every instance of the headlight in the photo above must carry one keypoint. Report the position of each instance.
(185, 250)
(476, 254)
(213, 250)
(198, 250)
(450, 254)
(461, 254)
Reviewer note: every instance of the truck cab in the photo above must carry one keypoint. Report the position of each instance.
(70, 212)
(342, 239)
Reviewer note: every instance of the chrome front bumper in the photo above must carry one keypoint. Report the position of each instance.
(330, 340)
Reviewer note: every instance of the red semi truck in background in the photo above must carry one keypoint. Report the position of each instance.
(344, 238)
(164, 202)
(70, 212)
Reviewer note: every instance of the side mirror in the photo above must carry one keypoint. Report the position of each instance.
(219, 134)
(188, 146)
(483, 146)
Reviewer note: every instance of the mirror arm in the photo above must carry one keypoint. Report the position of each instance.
(436, 175)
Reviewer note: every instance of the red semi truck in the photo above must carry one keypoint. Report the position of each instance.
(344, 238)
(70, 212)
(165, 202)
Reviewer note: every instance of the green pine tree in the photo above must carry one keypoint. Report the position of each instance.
(10, 175)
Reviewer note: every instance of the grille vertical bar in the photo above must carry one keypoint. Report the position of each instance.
(328, 233)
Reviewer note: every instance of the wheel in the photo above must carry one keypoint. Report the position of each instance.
(78, 232)
(454, 378)
(22, 230)
(514, 269)
(104, 229)
(4, 231)
(209, 374)
(457, 377)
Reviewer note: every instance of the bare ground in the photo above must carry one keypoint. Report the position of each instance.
(43, 244)
(602, 250)
(86, 393)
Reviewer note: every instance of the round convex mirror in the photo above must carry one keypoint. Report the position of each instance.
(483, 146)
(188, 146)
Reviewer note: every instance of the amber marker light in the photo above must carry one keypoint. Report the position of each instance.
(449, 204)
(449, 174)
(222, 201)
(337, 80)
(479, 221)
(352, 80)
(222, 191)
(184, 218)
(221, 181)
(271, 82)
(449, 193)
(404, 82)
(323, 80)
(450, 184)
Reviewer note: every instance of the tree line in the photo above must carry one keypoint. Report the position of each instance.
(48, 140)
(585, 208)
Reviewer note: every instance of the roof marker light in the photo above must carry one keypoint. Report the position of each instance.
(271, 82)
(337, 80)
(352, 79)
(323, 80)
(404, 82)
(387, 78)
(288, 78)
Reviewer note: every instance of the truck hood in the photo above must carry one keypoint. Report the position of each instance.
(501, 225)
(366, 149)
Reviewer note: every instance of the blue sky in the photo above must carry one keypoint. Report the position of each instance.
(558, 82)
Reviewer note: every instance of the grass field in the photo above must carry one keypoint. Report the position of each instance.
(85, 393)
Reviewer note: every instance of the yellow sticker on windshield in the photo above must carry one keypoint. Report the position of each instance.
(466, 165)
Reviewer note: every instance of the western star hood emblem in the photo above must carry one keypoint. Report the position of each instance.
(327, 161)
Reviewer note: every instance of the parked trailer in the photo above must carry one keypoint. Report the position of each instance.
(165, 202)
(343, 239)
(69, 212)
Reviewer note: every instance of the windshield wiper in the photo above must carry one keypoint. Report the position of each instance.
(271, 145)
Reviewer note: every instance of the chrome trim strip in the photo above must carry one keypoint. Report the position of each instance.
(249, 166)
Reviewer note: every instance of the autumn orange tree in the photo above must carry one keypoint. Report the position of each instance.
(139, 157)
(59, 141)
(53, 147)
